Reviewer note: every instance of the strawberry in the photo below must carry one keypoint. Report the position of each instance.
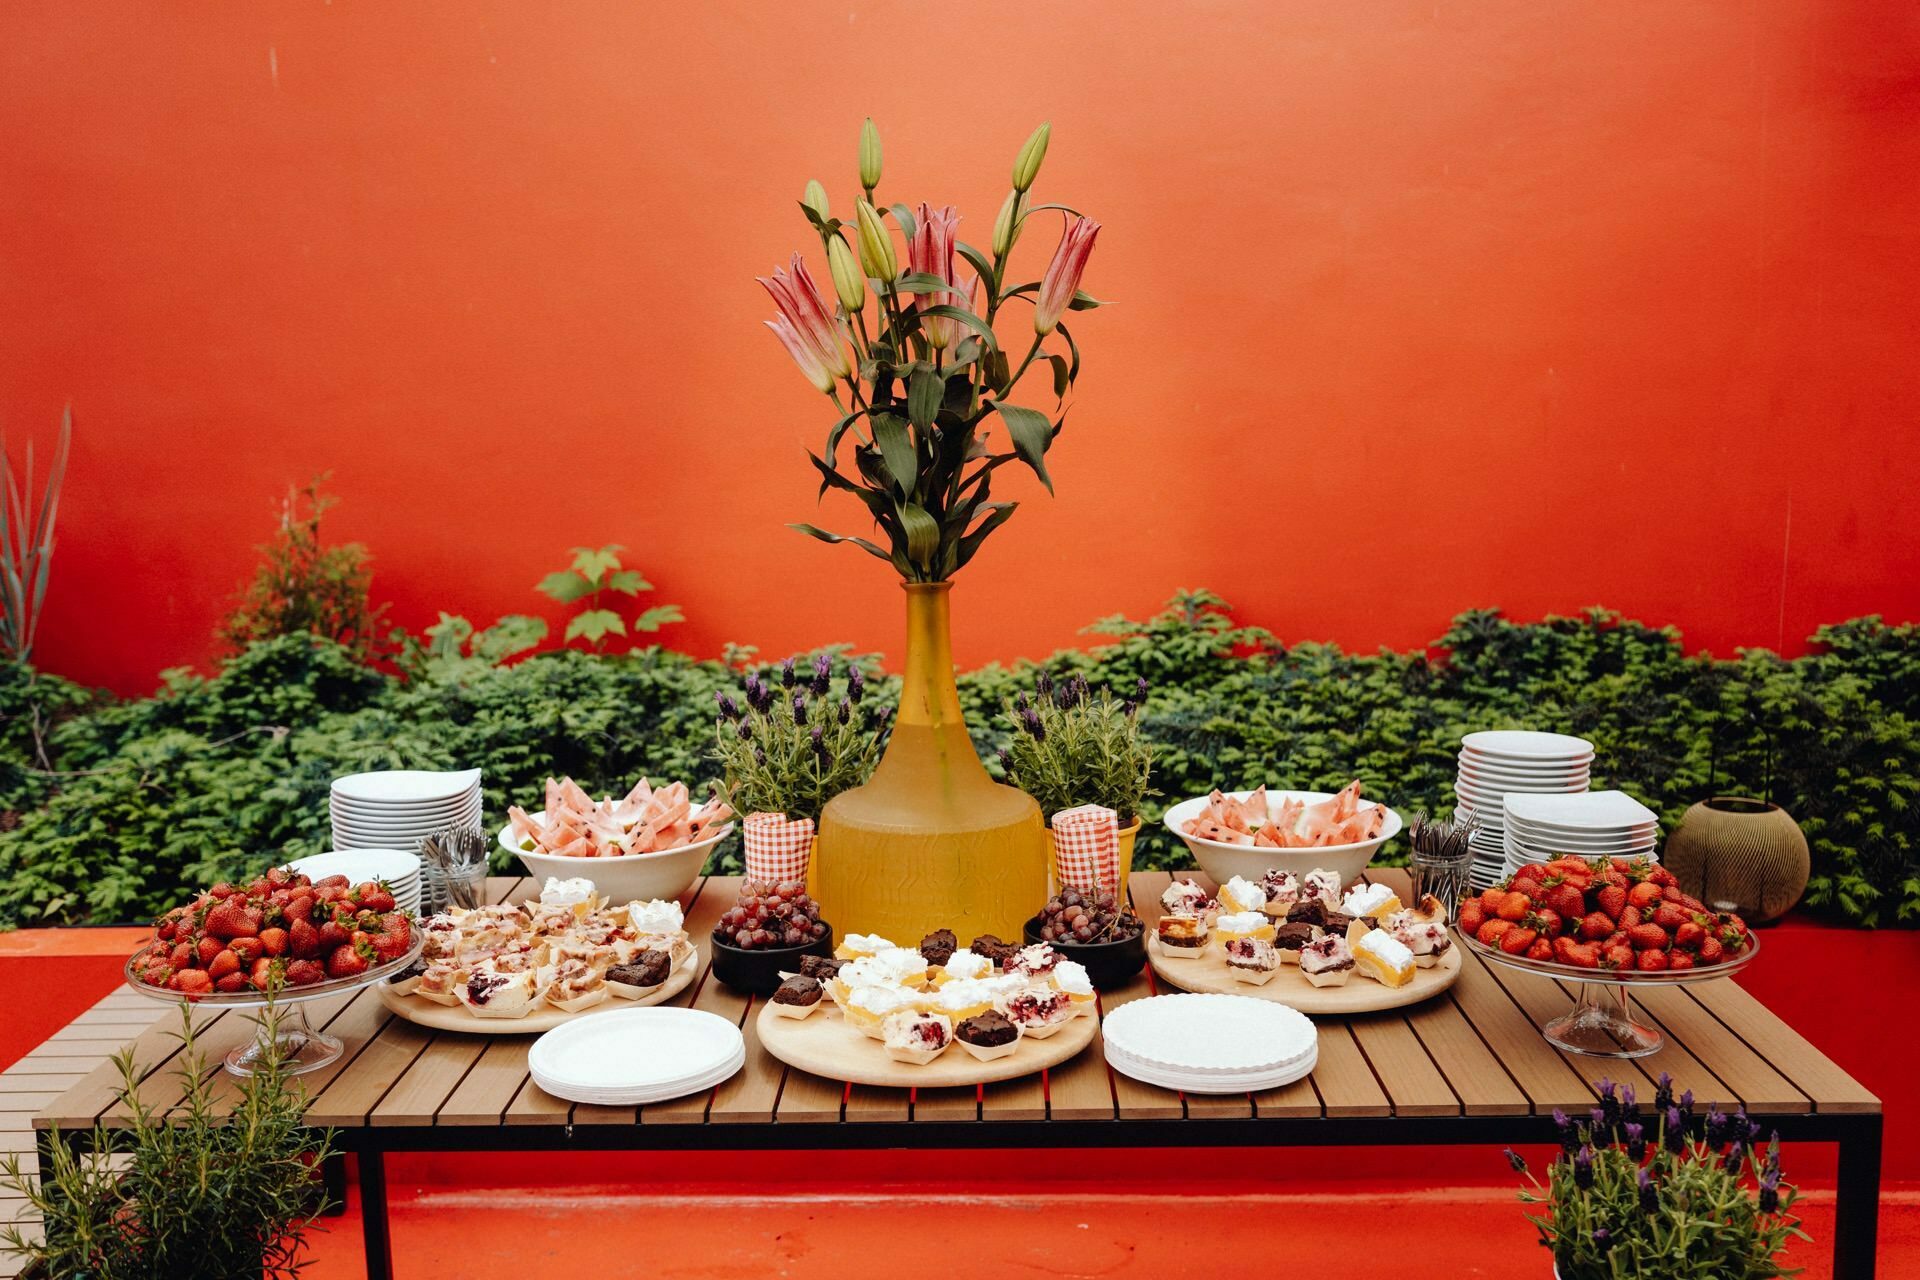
(1533, 871)
(299, 907)
(279, 877)
(1472, 916)
(1629, 918)
(1712, 950)
(1541, 949)
(207, 949)
(1514, 906)
(332, 934)
(1567, 901)
(1490, 900)
(1570, 866)
(1670, 916)
(1492, 931)
(183, 955)
(304, 973)
(222, 965)
(1689, 935)
(1517, 939)
(1679, 960)
(303, 940)
(1581, 955)
(1647, 937)
(331, 882)
(1644, 895)
(1611, 899)
(234, 919)
(1672, 893)
(1546, 920)
(395, 936)
(232, 982)
(1529, 888)
(191, 981)
(374, 897)
(273, 941)
(266, 973)
(1594, 926)
(247, 949)
(349, 962)
(222, 890)
(1663, 877)
(1651, 961)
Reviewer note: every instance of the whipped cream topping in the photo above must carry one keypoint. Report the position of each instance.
(1240, 894)
(1422, 937)
(1184, 897)
(901, 964)
(881, 1001)
(1367, 900)
(655, 916)
(1241, 922)
(964, 994)
(1381, 945)
(1035, 960)
(576, 892)
(968, 964)
(866, 943)
(1071, 977)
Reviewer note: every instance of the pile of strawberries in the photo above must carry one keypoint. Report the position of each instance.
(281, 929)
(1619, 913)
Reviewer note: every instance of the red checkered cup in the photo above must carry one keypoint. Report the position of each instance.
(778, 849)
(1086, 848)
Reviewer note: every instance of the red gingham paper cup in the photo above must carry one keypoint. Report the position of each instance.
(1086, 847)
(777, 850)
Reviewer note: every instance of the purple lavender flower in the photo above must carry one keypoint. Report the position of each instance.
(1602, 1239)
(1716, 1128)
(1636, 1142)
(1043, 683)
(819, 743)
(743, 728)
(877, 719)
(1513, 1158)
(856, 682)
(1649, 1193)
(1736, 1157)
(822, 673)
(1663, 1091)
(845, 710)
(1006, 763)
(1030, 721)
(787, 675)
(1583, 1167)
(1676, 1135)
(1770, 1191)
(799, 708)
(728, 707)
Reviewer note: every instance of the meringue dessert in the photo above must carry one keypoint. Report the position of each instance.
(1238, 895)
(1377, 955)
(1374, 900)
(1185, 898)
(1283, 890)
(1071, 979)
(1243, 924)
(856, 945)
(1324, 885)
(869, 1007)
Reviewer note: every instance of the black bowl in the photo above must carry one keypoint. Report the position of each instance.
(757, 972)
(1109, 964)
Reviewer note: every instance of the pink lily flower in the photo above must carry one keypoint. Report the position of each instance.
(1062, 280)
(931, 251)
(805, 327)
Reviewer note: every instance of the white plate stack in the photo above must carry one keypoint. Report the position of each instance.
(630, 1057)
(394, 808)
(1594, 824)
(397, 868)
(1210, 1043)
(1497, 762)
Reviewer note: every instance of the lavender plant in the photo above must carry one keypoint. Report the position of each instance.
(1647, 1194)
(794, 746)
(1073, 745)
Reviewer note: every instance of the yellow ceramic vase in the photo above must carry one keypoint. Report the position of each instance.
(931, 841)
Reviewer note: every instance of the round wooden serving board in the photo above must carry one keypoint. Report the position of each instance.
(1209, 973)
(827, 1046)
(455, 1017)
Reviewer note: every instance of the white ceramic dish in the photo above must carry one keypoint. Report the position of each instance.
(395, 866)
(636, 1056)
(1212, 1043)
(1584, 812)
(1499, 764)
(405, 786)
(1225, 861)
(622, 879)
(1527, 744)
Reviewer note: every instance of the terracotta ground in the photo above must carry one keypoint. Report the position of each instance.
(1004, 1214)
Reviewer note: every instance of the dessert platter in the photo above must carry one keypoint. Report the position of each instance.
(1211, 1043)
(1304, 942)
(520, 968)
(282, 939)
(904, 1017)
(1606, 924)
(650, 843)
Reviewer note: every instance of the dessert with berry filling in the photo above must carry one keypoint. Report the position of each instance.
(1185, 937)
(1238, 895)
(490, 994)
(1185, 898)
(1290, 939)
(1324, 885)
(938, 947)
(1252, 960)
(797, 997)
(1327, 961)
(1283, 890)
(572, 985)
(407, 981)
(640, 975)
(1040, 1011)
(1428, 941)
(916, 1037)
(1036, 961)
(988, 1035)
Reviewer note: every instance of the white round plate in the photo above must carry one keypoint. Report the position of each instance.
(405, 817)
(1252, 1082)
(395, 866)
(1208, 1036)
(1527, 744)
(1589, 811)
(636, 1053)
(1535, 840)
(406, 786)
(1571, 780)
(1500, 764)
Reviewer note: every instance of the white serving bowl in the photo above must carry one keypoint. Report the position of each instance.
(1222, 862)
(625, 878)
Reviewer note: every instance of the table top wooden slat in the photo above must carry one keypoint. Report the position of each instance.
(1402, 1066)
(1021, 1099)
(417, 1096)
(1823, 1081)
(98, 1090)
(1344, 1080)
(483, 1095)
(961, 1102)
(1751, 1077)
(868, 1104)
(809, 1099)
(1547, 1077)
(752, 1095)
(1134, 1099)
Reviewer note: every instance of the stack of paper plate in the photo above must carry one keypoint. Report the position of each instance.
(1210, 1043)
(1496, 762)
(1594, 824)
(394, 808)
(399, 869)
(630, 1057)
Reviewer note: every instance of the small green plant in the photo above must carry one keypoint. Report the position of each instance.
(1649, 1195)
(26, 541)
(794, 746)
(206, 1191)
(1072, 746)
(303, 585)
(594, 577)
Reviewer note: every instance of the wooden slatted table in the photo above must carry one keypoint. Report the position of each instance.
(1467, 1067)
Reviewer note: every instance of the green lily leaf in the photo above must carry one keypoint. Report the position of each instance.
(1031, 433)
(872, 549)
(923, 534)
(924, 391)
(926, 282)
(896, 448)
(967, 318)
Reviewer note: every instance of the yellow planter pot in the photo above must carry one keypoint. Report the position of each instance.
(932, 840)
(1127, 836)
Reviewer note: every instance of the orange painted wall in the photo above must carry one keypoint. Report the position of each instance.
(1424, 305)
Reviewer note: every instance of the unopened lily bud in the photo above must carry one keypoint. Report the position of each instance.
(1026, 166)
(848, 280)
(1006, 227)
(876, 246)
(870, 155)
(816, 200)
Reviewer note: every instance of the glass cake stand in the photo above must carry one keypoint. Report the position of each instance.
(302, 1049)
(1600, 1024)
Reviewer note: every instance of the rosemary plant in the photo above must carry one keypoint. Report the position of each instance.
(1073, 746)
(215, 1190)
(1649, 1195)
(794, 746)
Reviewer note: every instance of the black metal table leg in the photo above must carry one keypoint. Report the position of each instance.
(333, 1183)
(1856, 1211)
(373, 1214)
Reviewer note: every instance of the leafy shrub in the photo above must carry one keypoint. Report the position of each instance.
(591, 582)
(123, 804)
(303, 585)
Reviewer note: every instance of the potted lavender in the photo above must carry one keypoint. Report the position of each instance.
(1648, 1194)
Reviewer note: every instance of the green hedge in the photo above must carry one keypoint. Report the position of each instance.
(112, 808)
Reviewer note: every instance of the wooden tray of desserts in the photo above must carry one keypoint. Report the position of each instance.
(441, 1017)
(824, 1044)
(1209, 974)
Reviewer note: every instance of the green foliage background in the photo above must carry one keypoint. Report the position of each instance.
(114, 808)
